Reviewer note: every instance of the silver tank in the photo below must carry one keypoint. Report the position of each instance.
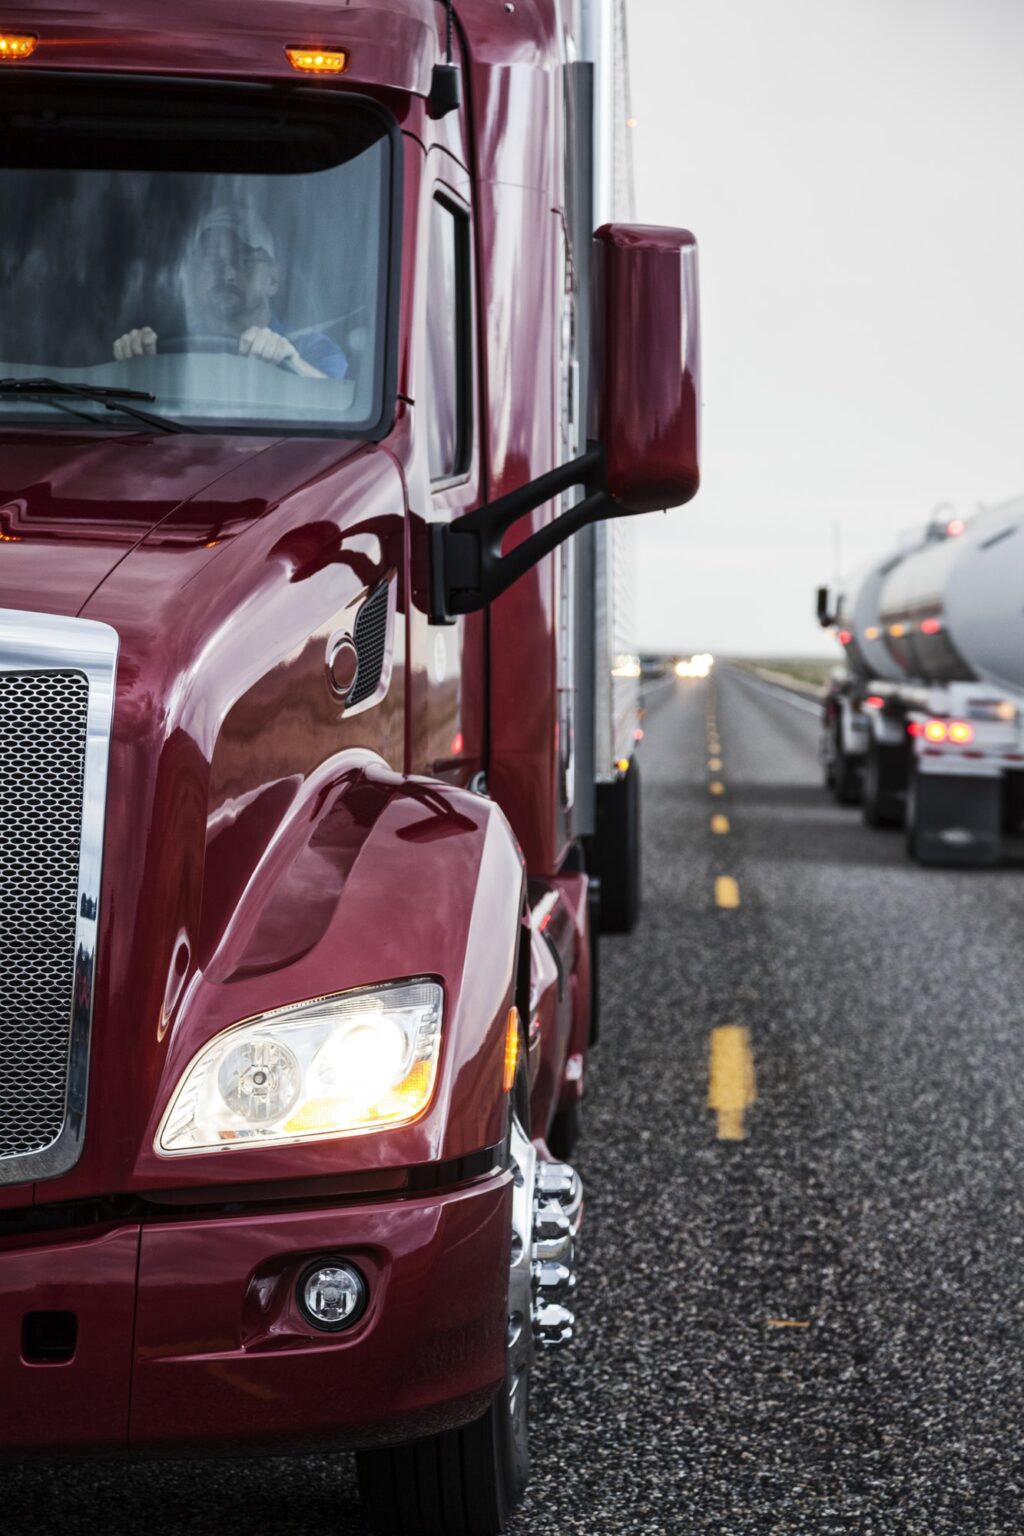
(857, 614)
(968, 591)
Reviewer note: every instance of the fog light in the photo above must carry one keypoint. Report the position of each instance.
(332, 1294)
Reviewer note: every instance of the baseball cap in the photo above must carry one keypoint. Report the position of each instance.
(243, 222)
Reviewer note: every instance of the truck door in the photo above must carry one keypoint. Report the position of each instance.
(447, 679)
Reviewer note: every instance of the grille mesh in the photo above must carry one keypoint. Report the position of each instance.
(43, 724)
(370, 636)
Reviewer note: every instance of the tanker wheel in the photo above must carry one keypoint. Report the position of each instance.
(882, 797)
(847, 771)
(616, 850)
(468, 1481)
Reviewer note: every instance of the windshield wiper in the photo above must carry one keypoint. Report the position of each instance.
(113, 399)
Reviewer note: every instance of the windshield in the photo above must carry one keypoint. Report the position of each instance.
(246, 295)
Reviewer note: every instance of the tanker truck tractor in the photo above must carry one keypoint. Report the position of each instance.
(944, 717)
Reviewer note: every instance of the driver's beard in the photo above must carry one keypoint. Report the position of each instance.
(218, 314)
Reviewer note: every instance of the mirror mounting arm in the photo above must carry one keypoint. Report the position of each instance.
(467, 568)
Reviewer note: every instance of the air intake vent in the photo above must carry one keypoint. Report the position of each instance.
(371, 638)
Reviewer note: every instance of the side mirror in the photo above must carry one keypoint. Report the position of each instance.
(646, 384)
(825, 618)
(645, 398)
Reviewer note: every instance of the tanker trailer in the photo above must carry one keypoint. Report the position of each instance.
(945, 752)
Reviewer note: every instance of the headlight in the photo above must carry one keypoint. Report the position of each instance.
(358, 1061)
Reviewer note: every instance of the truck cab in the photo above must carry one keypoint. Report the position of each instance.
(298, 1012)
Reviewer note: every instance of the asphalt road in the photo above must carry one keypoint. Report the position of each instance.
(814, 1329)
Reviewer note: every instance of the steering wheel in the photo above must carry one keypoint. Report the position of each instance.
(198, 342)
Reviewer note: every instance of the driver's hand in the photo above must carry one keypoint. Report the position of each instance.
(260, 341)
(135, 343)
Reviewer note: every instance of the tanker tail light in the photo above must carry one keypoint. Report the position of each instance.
(844, 637)
(931, 626)
(959, 732)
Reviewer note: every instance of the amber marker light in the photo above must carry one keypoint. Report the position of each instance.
(318, 61)
(961, 732)
(897, 631)
(936, 730)
(15, 46)
(511, 1050)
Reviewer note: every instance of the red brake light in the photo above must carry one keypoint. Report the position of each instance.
(915, 728)
(955, 527)
(873, 701)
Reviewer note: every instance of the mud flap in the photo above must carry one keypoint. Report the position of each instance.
(955, 819)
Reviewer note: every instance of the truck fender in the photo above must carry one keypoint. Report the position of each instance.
(371, 877)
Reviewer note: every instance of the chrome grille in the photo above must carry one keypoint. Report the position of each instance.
(43, 735)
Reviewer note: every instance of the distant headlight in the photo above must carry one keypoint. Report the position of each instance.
(357, 1061)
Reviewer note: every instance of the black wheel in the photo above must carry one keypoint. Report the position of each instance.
(565, 1132)
(616, 850)
(467, 1482)
(885, 782)
(846, 770)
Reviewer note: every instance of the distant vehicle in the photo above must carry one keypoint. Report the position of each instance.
(924, 723)
(695, 666)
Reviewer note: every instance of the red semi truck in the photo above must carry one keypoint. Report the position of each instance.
(296, 989)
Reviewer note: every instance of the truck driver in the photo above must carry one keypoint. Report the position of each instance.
(231, 275)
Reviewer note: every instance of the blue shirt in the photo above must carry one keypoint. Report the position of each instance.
(316, 349)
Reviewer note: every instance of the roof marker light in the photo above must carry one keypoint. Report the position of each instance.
(930, 626)
(955, 527)
(16, 45)
(318, 61)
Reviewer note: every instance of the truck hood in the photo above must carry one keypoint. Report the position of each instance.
(73, 505)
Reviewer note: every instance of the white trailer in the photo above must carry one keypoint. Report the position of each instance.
(925, 722)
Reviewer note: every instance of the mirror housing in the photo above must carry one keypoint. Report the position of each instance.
(826, 618)
(645, 389)
(645, 395)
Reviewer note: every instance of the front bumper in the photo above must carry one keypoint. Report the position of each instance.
(189, 1337)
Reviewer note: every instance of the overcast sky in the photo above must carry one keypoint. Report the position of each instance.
(854, 173)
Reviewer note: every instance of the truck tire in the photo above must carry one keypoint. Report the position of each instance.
(954, 820)
(885, 781)
(844, 773)
(616, 850)
(467, 1481)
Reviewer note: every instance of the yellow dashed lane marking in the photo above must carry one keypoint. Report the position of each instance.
(716, 787)
(727, 891)
(786, 1322)
(732, 1085)
(719, 824)
(715, 764)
